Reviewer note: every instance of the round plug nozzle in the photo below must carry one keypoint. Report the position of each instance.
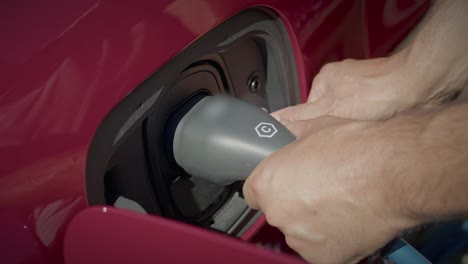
(222, 139)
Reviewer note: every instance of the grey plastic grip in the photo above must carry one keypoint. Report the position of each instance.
(222, 139)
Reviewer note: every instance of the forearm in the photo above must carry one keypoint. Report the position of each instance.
(438, 57)
(429, 163)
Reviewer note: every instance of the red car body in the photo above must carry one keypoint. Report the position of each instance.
(65, 64)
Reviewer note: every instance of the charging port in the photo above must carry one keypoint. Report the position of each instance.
(249, 56)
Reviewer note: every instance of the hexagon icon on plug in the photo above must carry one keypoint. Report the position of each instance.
(266, 130)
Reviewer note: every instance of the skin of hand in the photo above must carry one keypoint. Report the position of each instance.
(357, 89)
(328, 198)
(347, 187)
(430, 71)
(352, 186)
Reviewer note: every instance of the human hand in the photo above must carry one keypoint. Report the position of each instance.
(360, 89)
(428, 72)
(328, 192)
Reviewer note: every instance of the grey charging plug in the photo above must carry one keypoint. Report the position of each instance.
(222, 139)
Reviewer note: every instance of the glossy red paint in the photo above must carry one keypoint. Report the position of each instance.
(117, 229)
(65, 65)
(384, 18)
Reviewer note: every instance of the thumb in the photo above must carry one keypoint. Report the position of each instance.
(304, 111)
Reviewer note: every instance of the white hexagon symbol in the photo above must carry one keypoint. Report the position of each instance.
(266, 130)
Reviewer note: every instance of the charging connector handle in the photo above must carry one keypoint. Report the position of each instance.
(222, 139)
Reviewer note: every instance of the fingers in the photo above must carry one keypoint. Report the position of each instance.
(318, 103)
(247, 190)
(300, 128)
(256, 184)
(257, 187)
(319, 84)
(314, 95)
(307, 127)
(305, 111)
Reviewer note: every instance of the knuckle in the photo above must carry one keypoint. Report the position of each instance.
(327, 73)
(319, 85)
(294, 243)
(329, 67)
(290, 241)
(274, 218)
(254, 187)
(348, 61)
(321, 78)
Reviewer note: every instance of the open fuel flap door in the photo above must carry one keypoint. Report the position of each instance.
(111, 235)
